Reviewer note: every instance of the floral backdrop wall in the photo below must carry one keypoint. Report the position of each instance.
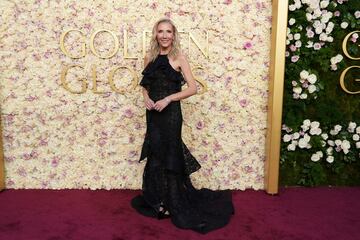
(56, 139)
(321, 124)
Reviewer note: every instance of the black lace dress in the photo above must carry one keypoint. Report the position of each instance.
(167, 191)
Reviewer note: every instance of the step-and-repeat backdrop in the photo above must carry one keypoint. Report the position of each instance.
(72, 110)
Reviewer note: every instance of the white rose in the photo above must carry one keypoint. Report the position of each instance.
(324, 4)
(315, 124)
(298, 44)
(345, 144)
(309, 16)
(304, 74)
(338, 142)
(315, 157)
(287, 137)
(344, 25)
(306, 137)
(358, 130)
(333, 132)
(312, 78)
(291, 21)
(296, 135)
(297, 36)
(356, 137)
(303, 96)
(297, 90)
(330, 159)
(292, 7)
(338, 128)
(357, 144)
(329, 150)
(307, 122)
(291, 147)
(312, 88)
(302, 143)
(324, 136)
(331, 143)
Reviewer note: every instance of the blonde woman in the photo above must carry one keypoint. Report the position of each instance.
(167, 191)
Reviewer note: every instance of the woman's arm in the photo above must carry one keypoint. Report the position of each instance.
(191, 89)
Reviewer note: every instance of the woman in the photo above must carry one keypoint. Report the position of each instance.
(167, 191)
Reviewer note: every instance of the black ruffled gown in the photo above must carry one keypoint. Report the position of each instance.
(166, 186)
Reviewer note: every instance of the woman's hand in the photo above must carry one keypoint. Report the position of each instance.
(149, 104)
(161, 104)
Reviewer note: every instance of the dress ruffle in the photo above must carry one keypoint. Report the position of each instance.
(161, 62)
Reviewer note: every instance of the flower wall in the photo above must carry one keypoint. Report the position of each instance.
(56, 139)
(321, 124)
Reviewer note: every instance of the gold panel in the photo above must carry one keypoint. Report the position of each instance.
(275, 101)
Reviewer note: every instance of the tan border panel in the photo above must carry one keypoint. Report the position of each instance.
(276, 88)
(2, 167)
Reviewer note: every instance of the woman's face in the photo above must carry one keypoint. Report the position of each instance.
(165, 34)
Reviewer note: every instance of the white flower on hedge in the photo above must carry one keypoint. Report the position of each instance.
(345, 145)
(297, 36)
(338, 142)
(296, 135)
(355, 137)
(292, 7)
(298, 44)
(325, 136)
(312, 88)
(291, 147)
(304, 74)
(317, 46)
(344, 25)
(312, 78)
(330, 159)
(314, 124)
(324, 4)
(338, 128)
(323, 37)
(287, 137)
(291, 21)
(338, 58)
(315, 131)
(331, 143)
(307, 123)
(329, 150)
(357, 144)
(303, 96)
(351, 127)
(297, 90)
(297, 4)
(317, 156)
(323, 143)
(310, 44)
(357, 14)
(303, 142)
(330, 39)
(290, 36)
(309, 17)
(358, 130)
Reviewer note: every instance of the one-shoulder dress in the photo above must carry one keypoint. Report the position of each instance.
(167, 191)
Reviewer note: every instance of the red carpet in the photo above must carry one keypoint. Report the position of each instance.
(295, 214)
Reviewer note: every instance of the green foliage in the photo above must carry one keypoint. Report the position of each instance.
(332, 106)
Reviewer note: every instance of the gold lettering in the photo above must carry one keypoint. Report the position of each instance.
(64, 83)
(94, 78)
(122, 90)
(62, 44)
(92, 47)
(342, 80)
(344, 44)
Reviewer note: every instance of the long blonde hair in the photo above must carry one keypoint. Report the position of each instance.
(154, 45)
